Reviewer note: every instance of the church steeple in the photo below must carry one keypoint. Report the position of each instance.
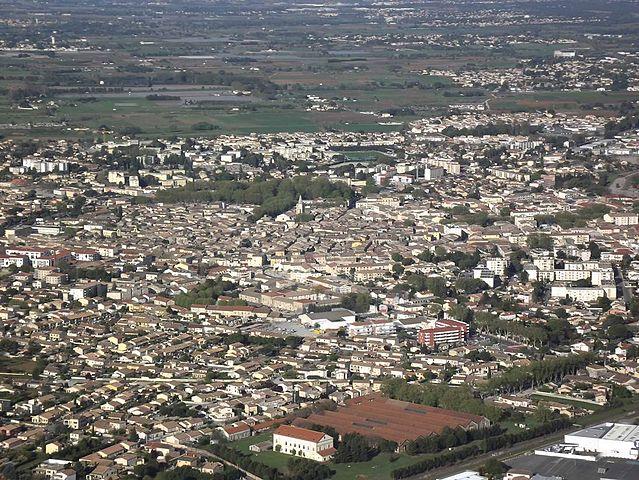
(299, 208)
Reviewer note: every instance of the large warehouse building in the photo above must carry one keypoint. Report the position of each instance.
(607, 440)
(379, 417)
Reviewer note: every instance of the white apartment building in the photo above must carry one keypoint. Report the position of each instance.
(372, 327)
(509, 175)
(6, 261)
(41, 165)
(571, 275)
(32, 253)
(451, 167)
(433, 173)
(497, 265)
(599, 273)
(622, 219)
(544, 262)
(584, 294)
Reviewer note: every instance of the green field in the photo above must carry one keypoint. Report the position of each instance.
(379, 468)
(281, 57)
(380, 83)
(148, 118)
(16, 365)
(562, 101)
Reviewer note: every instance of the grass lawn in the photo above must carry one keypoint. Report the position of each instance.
(244, 444)
(16, 365)
(271, 458)
(379, 468)
(513, 427)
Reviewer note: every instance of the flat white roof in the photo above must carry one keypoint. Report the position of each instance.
(620, 432)
(596, 431)
(467, 475)
(623, 432)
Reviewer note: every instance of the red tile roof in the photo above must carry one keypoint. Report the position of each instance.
(376, 416)
(300, 433)
(327, 452)
(240, 427)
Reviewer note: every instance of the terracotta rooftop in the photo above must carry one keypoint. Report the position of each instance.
(376, 416)
(300, 433)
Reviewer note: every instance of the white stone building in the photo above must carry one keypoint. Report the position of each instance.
(303, 442)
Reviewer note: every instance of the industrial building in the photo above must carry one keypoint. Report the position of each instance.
(607, 440)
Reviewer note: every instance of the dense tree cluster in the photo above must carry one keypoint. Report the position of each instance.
(354, 448)
(303, 469)
(178, 409)
(493, 468)
(269, 345)
(531, 334)
(554, 331)
(421, 283)
(479, 356)
(536, 373)
(493, 129)
(540, 240)
(594, 185)
(484, 446)
(273, 196)
(178, 77)
(464, 215)
(9, 346)
(463, 260)
(440, 395)
(615, 328)
(75, 272)
(187, 473)
(470, 285)
(501, 302)
(615, 127)
(450, 438)
(206, 293)
(577, 219)
(357, 302)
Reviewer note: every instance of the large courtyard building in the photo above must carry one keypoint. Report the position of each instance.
(375, 416)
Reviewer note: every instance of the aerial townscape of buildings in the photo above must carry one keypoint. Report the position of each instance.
(451, 296)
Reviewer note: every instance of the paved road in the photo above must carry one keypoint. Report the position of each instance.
(625, 290)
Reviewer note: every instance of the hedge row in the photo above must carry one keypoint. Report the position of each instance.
(484, 446)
